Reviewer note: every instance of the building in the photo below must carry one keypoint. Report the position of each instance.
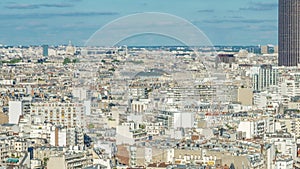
(14, 111)
(245, 96)
(70, 49)
(3, 118)
(253, 128)
(264, 49)
(129, 134)
(290, 86)
(267, 49)
(139, 106)
(285, 143)
(75, 136)
(175, 120)
(45, 50)
(58, 137)
(226, 58)
(80, 93)
(284, 162)
(20, 145)
(138, 93)
(65, 114)
(87, 106)
(276, 49)
(289, 33)
(264, 77)
(5, 147)
(70, 160)
(183, 120)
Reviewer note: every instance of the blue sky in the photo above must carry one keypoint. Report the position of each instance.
(230, 22)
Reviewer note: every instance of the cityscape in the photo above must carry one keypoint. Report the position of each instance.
(145, 85)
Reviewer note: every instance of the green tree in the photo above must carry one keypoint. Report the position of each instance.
(15, 61)
(46, 159)
(75, 60)
(67, 61)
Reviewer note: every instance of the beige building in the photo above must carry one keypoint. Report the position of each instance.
(21, 146)
(3, 118)
(294, 105)
(70, 161)
(291, 125)
(242, 161)
(44, 153)
(264, 49)
(245, 96)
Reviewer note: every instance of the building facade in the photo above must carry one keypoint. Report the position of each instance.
(266, 76)
(289, 33)
(65, 114)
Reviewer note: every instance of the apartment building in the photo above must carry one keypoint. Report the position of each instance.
(65, 114)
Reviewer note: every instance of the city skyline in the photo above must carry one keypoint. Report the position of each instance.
(133, 84)
(56, 22)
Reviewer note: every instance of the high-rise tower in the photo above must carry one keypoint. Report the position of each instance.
(289, 33)
(45, 50)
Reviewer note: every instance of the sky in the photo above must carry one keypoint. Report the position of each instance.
(230, 22)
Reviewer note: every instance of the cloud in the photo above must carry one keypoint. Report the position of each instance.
(269, 27)
(80, 14)
(236, 17)
(36, 6)
(206, 11)
(260, 6)
(52, 15)
(251, 21)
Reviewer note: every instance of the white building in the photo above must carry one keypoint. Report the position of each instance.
(285, 143)
(270, 153)
(183, 120)
(75, 136)
(80, 93)
(14, 111)
(138, 93)
(87, 106)
(65, 114)
(263, 77)
(174, 120)
(129, 133)
(139, 106)
(284, 163)
(290, 87)
(124, 136)
(252, 128)
(58, 136)
(154, 128)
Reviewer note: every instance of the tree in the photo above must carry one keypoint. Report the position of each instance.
(15, 61)
(111, 69)
(45, 160)
(91, 126)
(142, 126)
(75, 60)
(66, 61)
